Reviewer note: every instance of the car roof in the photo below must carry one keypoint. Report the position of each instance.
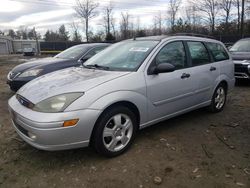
(178, 36)
(92, 45)
(244, 39)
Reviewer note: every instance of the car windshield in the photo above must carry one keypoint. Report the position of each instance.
(74, 52)
(123, 56)
(241, 46)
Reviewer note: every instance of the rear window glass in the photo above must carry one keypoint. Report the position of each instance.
(199, 53)
(218, 51)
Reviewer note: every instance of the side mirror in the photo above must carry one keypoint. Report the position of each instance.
(162, 68)
(82, 61)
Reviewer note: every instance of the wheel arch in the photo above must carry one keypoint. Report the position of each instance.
(223, 82)
(124, 103)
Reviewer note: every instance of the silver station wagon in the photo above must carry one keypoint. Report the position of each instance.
(128, 86)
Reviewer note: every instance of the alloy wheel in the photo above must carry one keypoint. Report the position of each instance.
(117, 132)
(220, 98)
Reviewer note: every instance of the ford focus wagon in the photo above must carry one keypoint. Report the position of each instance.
(128, 86)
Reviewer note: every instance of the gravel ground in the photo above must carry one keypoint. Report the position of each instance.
(195, 150)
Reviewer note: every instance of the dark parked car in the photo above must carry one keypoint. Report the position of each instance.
(71, 57)
(241, 56)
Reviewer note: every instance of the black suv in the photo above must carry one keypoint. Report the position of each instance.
(241, 56)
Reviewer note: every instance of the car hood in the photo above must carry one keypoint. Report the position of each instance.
(66, 81)
(240, 56)
(40, 63)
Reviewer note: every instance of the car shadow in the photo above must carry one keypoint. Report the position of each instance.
(242, 83)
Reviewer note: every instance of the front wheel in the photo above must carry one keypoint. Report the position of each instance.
(114, 131)
(219, 99)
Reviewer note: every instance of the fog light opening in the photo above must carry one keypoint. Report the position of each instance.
(70, 123)
(32, 136)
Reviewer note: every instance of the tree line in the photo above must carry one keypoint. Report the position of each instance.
(209, 17)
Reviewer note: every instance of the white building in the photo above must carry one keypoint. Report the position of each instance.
(19, 45)
(6, 45)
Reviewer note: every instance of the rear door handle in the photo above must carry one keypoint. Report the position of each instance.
(185, 75)
(212, 68)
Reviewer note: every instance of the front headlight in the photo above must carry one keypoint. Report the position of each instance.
(57, 103)
(29, 73)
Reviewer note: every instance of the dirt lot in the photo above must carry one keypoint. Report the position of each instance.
(198, 149)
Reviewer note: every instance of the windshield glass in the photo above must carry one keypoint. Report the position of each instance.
(74, 52)
(241, 46)
(123, 56)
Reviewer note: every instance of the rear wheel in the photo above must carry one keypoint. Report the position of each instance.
(219, 99)
(115, 131)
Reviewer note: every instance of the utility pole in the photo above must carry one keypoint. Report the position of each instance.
(37, 43)
(242, 19)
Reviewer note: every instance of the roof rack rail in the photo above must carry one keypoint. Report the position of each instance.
(193, 35)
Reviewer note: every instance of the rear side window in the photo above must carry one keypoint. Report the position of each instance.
(218, 51)
(199, 53)
(173, 53)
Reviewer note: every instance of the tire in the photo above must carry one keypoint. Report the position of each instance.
(114, 131)
(219, 99)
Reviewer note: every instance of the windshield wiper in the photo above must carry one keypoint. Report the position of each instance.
(96, 66)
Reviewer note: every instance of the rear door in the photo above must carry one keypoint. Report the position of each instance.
(204, 70)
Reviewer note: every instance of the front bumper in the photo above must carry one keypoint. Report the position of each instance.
(242, 70)
(44, 130)
(16, 84)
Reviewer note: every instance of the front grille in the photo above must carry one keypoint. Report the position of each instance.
(241, 68)
(25, 102)
(20, 128)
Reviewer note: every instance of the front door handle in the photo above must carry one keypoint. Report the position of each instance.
(185, 75)
(212, 68)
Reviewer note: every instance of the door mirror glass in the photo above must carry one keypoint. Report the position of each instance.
(163, 68)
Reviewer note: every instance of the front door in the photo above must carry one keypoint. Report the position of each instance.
(171, 92)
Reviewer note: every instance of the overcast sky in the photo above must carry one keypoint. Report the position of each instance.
(50, 14)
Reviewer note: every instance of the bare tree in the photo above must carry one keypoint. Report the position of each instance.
(158, 22)
(242, 7)
(242, 17)
(210, 8)
(138, 23)
(86, 10)
(174, 6)
(248, 9)
(108, 18)
(193, 18)
(113, 27)
(226, 6)
(237, 4)
(124, 25)
(75, 30)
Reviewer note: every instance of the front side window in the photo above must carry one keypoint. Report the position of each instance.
(122, 56)
(218, 52)
(199, 53)
(173, 53)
